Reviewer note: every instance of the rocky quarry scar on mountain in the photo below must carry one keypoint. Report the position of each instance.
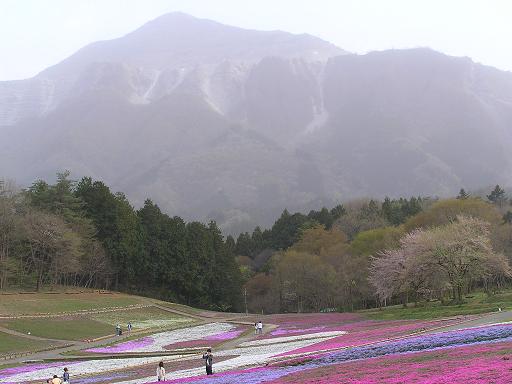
(214, 121)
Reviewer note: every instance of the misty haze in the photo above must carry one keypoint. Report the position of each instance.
(218, 122)
(183, 196)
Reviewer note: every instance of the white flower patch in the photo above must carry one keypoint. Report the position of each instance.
(246, 356)
(178, 335)
(81, 368)
(286, 339)
(271, 349)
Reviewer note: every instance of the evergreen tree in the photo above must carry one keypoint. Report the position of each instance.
(497, 196)
(287, 229)
(117, 227)
(463, 195)
(225, 280)
(397, 211)
(338, 211)
(244, 245)
(258, 242)
(323, 217)
(58, 199)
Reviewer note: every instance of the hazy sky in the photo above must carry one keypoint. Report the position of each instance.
(35, 34)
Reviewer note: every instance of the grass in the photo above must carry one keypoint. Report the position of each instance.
(79, 326)
(9, 343)
(476, 303)
(62, 302)
(61, 328)
(179, 307)
(141, 318)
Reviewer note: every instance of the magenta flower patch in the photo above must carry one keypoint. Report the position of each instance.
(5, 373)
(226, 335)
(123, 347)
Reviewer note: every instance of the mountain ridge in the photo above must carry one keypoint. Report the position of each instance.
(245, 123)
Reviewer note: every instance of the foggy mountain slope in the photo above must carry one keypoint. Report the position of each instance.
(416, 120)
(174, 43)
(213, 121)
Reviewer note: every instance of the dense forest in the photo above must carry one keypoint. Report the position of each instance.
(82, 234)
(371, 253)
(362, 254)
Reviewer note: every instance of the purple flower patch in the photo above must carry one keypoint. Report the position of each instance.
(5, 373)
(225, 335)
(123, 347)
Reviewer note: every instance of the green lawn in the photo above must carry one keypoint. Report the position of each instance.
(9, 343)
(80, 326)
(179, 307)
(62, 302)
(475, 303)
(142, 318)
(61, 328)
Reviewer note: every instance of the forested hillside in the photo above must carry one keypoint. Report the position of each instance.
(82, 234)
(373, 253)
(364, 253)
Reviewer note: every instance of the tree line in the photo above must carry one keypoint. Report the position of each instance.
(376, 253)
(82, 234)
(361, 254)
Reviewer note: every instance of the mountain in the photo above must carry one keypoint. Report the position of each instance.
(214, 121)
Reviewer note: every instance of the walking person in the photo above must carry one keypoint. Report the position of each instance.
(255, 328)
(118, 330)
(260, 327)
(160, 372)
(129, 327)
(208, 357)
(65, 376)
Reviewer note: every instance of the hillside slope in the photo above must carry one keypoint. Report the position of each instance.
(214, 121)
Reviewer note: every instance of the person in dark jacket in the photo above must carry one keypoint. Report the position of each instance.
(65, 376)
(208, 357)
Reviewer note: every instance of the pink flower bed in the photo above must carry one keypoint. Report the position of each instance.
(123, 347)
(476, 364)
(312, 319)
(472, 355)
(5, 373)
(367, 332)
(226, 335)
(303, 324)
(297, 331)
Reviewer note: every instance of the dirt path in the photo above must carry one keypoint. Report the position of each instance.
(178, 312)
(247, 337)
(487, 319)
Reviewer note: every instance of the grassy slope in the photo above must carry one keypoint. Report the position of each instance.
(9, 343)
(61, 328)
(141, 318)
(83, 325)
(61, 302)
(476, 303)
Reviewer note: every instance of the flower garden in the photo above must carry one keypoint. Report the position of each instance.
(318, 348)
(203, 335)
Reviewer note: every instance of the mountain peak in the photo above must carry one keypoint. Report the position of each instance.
(175, 20)
(178, 40)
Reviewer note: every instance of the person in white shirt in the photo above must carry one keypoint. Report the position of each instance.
(260, 327)
(160, 372)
